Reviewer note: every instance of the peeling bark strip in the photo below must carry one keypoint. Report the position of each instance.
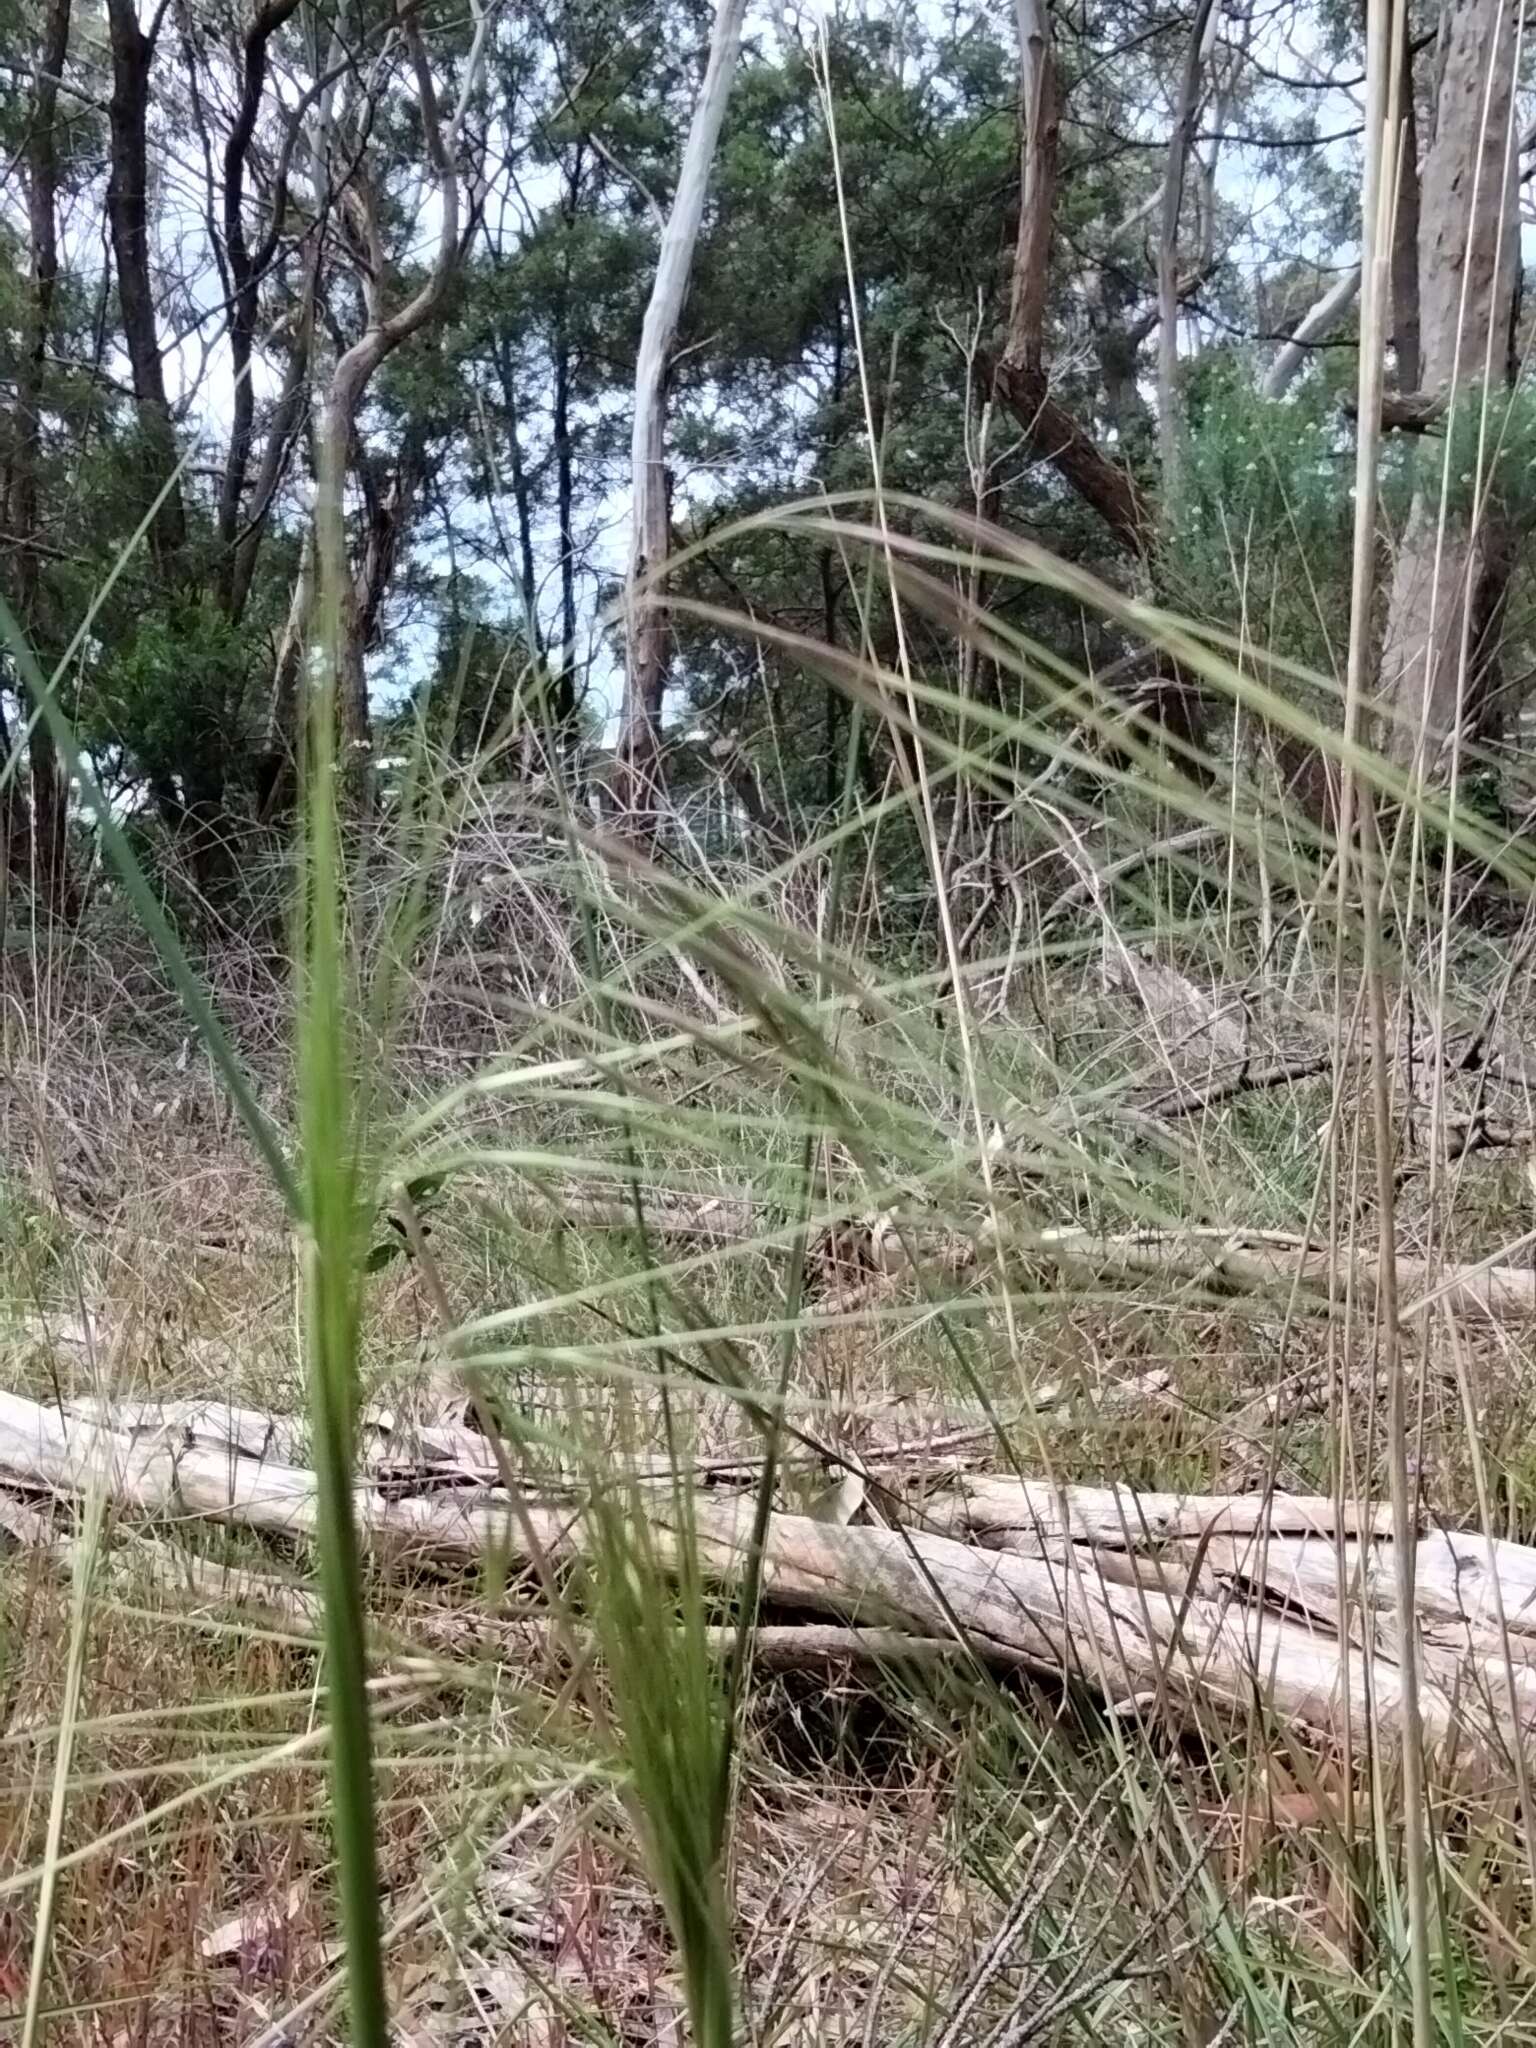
(1163, 1605)
(645, 677)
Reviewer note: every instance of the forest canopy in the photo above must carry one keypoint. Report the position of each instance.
(1090, 275)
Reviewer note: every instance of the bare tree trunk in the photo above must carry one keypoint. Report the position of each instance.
(1315, 324)
(565, 518)
(128, 219)
(1405, 236)
(388, 518)
(1037, 184)
(277, 763)
(244, 270)
(282, 433)
(522, 496)
(645, 678)
(832, 696)
(1440, 657)
(384, 333)
(1019, 377)
(47, 844)
(1180, 142)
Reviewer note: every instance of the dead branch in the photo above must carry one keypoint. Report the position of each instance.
(1217, 1257)
(1191, 1101)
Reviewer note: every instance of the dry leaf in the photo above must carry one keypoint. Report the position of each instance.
(256, 1923)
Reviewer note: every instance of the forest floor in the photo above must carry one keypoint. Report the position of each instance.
(1187, 1878)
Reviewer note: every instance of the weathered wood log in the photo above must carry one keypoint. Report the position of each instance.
(1011, 1514)
(824, 1648)
(1263, 1261)
(1193, 1628)
(1229, 1260)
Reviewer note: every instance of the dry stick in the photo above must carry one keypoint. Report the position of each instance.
(1190, 1101)
(1384, 30)
(1080, 1988)
(1082, 891)
(1033, 1892)
(282, 2032)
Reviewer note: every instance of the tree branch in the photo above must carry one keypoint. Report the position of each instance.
(1316, 323)
(1055, 437)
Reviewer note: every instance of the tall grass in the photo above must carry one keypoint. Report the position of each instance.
(1385, 36)
(703, 1038)
(338, 1199)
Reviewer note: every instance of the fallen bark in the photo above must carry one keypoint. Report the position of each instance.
(1182, 1016)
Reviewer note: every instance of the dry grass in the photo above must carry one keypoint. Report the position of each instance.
(886, 1828)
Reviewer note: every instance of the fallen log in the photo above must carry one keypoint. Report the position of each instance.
(1197, 1631)
(203, 1587)
(1228, 1260)
(1256, 1261)
(160, 1474)
(1012, 1514)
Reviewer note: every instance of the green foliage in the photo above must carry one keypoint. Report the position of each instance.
(172, 691)
(32, 1242)
(1260, 532)
(1482, 455)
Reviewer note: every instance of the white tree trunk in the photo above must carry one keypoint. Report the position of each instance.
(1315, 325)
(1201, 36)
(1439, 659)
(645, 676)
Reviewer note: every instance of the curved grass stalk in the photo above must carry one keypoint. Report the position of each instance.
(1384, 31)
